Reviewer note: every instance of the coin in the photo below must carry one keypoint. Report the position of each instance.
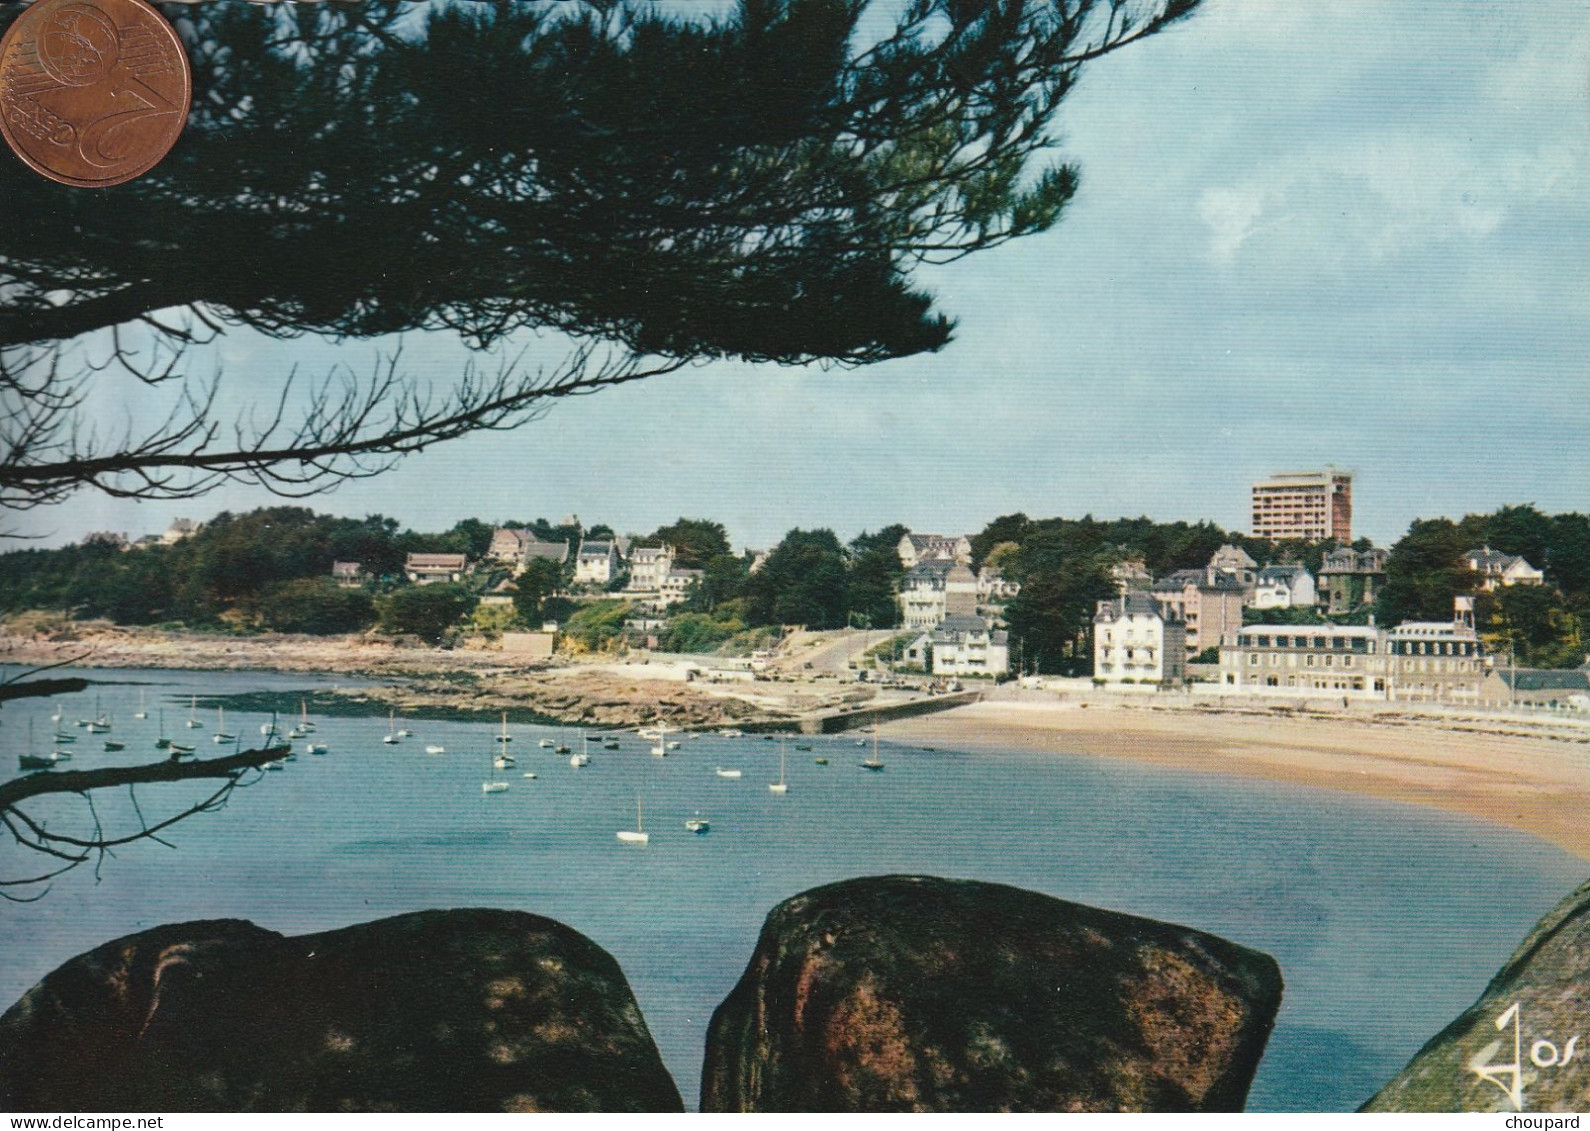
(92, 92)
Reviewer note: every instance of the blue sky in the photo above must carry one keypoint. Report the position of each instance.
(1343, 232)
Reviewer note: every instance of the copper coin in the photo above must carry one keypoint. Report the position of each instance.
(92, 92)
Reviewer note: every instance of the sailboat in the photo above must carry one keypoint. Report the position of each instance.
(496, 784)
(583, 758)
(32, 761)
(60, 712)
(100, 723)
(780, 786)
(193, 722)
(162, 742)
(506, 737)
(698, 824)
(873, 763)
(660, 747)
(561, 748)
(722, 773)
(304, 725)
(142, 712)
(220, 735)
(640, 835)
(391, 729)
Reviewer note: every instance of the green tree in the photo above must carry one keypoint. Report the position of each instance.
(315, 605)
(875, 573)
(598, 625)
(431, 612)
(1531, 623)
(802, 582)
(760, 184)
(470, 537)
(541, 579)
(722, 582)
(696, 541)
(1424, 572)
(1051, 619)
(1006, 528)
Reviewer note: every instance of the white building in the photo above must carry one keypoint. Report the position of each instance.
(1136, 639)
(179, 530)
(1283, 587)
(1308, 505)
(676, 586)
(596, 564)
(922, 594)
(914, 549)
(1347, 661)
(963, 645)
(1418, 661)
(428, 569)
(649, 567)
(1497, 569)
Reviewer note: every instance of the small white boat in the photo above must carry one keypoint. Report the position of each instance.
(582, 758)
(875, 764)
(502, 762)
(193, 722)
(722, 773)
(268, 728)
(433, 748)
(404, 732)
(780, 786)
(698, 825)
(531, 774)
(391, 729)
(140, 713)
(274, 767)
(546, 744)
(60, 711)
(181, 748)
(304, 725)
(316, 748)
(295, 733)
(730, 732)
(672, 745)
(496, 784)
(639, 835)
(220, 735)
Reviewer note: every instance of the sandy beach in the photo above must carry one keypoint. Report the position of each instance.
(1538, 784)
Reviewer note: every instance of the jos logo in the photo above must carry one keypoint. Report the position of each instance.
(1509, 1075)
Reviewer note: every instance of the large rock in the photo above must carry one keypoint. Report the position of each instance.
(910, 993)
(1470, 1066)
(435, 1011)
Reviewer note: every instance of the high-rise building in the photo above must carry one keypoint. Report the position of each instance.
(1313, 505)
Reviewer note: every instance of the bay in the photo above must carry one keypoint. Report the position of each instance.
(1387, 919)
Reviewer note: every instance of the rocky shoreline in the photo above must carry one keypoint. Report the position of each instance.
(428, 682)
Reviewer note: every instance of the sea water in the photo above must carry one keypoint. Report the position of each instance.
(1387, 919)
